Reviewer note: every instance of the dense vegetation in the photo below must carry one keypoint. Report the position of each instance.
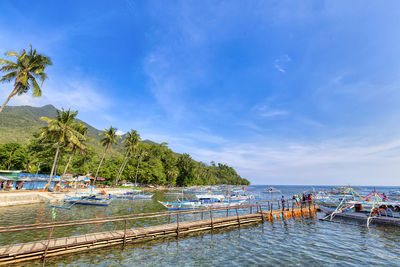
(130, 160)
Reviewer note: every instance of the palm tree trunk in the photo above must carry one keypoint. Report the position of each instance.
(119, 171)
(10, 160)
(66, 167)
(137, 169)
(101, 162)
(13, 93)
(123, 168)
(54, 164)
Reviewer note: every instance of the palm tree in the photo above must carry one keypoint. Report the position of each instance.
(82, 129)
(110, 138)
(141, 152)
(62, 130)
(131, 143)
(28, 67)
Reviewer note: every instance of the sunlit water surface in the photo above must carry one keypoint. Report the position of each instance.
(290, 242)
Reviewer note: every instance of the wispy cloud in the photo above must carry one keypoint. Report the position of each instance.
(266, 111)
(165, 85)
(282, 63)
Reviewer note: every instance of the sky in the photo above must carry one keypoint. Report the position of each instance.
(286, 92)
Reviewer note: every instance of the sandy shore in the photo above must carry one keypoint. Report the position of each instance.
(13, 198)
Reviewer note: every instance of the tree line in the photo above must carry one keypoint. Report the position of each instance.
(63, 147)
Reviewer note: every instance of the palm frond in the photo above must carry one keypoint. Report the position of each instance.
(12, 54)
(5, 61)
(9, 76)
(37, 91)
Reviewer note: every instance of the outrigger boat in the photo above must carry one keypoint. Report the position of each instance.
(91, 200)
(203, 201)
(198, 204)
(374, 208)
(133, 195)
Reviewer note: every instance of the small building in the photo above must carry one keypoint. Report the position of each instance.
(11, 180)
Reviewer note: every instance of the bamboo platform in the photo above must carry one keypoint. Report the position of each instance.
(58, 246)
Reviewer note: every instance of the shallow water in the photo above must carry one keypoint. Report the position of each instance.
(290, 242)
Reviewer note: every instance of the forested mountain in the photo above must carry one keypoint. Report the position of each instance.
(19, 123)
(20, 148)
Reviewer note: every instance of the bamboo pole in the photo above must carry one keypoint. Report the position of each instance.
(177, 224)
(211, 219)
(124, 233)
(48, 243)
(238, 219)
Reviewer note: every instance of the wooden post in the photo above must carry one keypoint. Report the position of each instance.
(169, 219)
(237, 216)
(124, 233)
(251, 210)
(262, 215)
(202, 216)
(211, 218)
(269, 207)
(227, 213)
(48, 242)
(177, 224)
(279, 205)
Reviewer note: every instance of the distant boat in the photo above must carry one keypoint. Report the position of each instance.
(271, 189)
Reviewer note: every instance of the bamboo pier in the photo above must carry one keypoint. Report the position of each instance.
(255, 213)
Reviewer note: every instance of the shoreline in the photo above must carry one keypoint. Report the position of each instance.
(16, 198)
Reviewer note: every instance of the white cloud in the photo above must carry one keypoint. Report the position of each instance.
(78, 94)
(120, 132)
(326, 162)
(282, 63)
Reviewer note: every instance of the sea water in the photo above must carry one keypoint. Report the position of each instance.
(288, 242)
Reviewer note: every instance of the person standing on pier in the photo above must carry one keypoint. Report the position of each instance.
(283, 200)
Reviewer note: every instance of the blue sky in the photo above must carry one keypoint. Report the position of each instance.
(287, 92)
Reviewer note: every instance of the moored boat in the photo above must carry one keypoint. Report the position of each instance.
(91, 200)
(375, 208)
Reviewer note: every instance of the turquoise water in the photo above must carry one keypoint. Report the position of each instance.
(290, 242)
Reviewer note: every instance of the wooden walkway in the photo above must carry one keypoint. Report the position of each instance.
(72, 244)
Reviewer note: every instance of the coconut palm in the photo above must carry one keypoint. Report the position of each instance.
(62, 130)
(82, 129)
(131, 141)
(28, 67)
(110, 138)
(140, 152)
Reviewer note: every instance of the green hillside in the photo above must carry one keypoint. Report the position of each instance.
(17, 124)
